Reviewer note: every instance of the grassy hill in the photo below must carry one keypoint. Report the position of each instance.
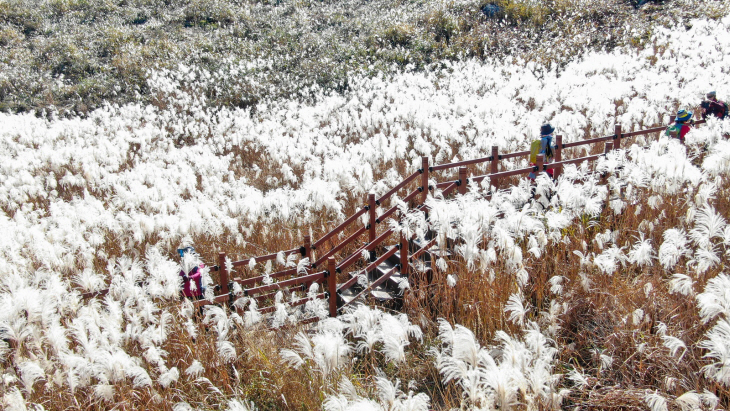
(75, 56)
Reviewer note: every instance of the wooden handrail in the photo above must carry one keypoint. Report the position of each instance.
(446, 191)
(339, 246)
(512, 155)
(589, 141)
(367, 247)
(266, 257)
(371, 286)
(412, 195)
(423, 249)
(340, 227)
(286, 283)
(461, 163)
(398, 187)
(253, 280)
(349, 283)
(270, 309)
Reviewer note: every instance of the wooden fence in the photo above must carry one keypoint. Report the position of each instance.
(293, 280)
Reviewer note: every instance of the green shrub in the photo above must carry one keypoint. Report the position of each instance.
(399, 35)
(441, 24)
(207, 15)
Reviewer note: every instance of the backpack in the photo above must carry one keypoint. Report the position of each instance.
(673, 130)
(535, 150)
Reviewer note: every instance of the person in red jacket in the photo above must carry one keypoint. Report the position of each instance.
(713, 107)
(191, 273)
(680, 129)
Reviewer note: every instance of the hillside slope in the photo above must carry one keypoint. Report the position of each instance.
(611, 296)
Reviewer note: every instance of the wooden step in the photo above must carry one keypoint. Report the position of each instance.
(381, 294)
(348, 295)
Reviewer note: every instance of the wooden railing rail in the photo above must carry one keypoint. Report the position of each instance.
(370, 267)
(340, 246)
(398, 187)
(317, 277)
(340, 227)
(461, 163)
(271, 309)
(367, 247)
(371, 285)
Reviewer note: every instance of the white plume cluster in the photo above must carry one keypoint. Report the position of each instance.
(513, 372)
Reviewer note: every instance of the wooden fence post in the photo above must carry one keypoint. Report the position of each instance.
(424, 179)
(223, 270)
(494, 167)
(558, 156)
(403, 254)
(308, 254)
(371, 223)
(332, 286)
(462, 180)
(307, 247)
(607, 149)
(617, 138)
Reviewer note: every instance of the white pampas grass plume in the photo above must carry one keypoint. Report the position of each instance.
(708, 225)
(347, 388)
(441, 264)
(681, 284)
(226, 350)
(168, 377)
(394, 348)
(715, 299)
(709, 399)
(556, 284)
(673, 248)
(140, 377)
(303, 266)
(641, 252)
(515, 309)
(578, 378)
(182, 406)
(251, 263)
(104, 392)
(451, 280)
(674, 344)
(195, 369)
(210, 386)
(238, 405)
(719, 351)
(30, 373)
(688, 401)
(13, 400)
(656, 402)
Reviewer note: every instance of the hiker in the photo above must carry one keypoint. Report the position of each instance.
(679, 129)
(191, 273)
(712, 107)
(543, 146)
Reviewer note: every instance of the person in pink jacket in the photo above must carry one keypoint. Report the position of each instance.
(191, 274)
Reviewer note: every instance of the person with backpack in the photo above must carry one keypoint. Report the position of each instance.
(713, 107)
(680, 128)
(543, 146)
(191, 273)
